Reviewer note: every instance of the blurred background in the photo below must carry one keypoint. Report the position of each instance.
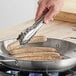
(16, 11)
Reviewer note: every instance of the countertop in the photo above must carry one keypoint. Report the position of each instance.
(56, 29)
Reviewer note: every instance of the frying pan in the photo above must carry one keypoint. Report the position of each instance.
(65, 48)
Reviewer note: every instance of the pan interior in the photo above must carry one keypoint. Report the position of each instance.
(65, 48)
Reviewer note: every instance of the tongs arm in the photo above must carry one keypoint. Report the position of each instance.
(28, 33)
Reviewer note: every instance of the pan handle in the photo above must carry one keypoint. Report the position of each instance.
(8, 60)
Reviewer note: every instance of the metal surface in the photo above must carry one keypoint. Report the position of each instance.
(65, 48)
(28, 33)
(7, 60)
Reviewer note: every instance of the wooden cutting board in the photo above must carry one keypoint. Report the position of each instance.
(68, 12)
(56, 29)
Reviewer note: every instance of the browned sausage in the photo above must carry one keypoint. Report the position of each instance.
(35, 39)
(32, 50)
(38, 55)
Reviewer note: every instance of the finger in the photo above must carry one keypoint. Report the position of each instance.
(50, 15)
(39, 12)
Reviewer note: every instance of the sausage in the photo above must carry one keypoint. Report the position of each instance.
(35, 39)
(37, 55)
(31, 50)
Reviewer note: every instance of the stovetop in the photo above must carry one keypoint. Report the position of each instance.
(5, 71)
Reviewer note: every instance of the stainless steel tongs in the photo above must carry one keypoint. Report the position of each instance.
(25, 36)
(28, 33)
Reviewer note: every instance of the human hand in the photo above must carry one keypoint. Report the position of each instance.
(53, 7)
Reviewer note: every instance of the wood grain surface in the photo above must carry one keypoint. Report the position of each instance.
(68, 12)
(56, 29)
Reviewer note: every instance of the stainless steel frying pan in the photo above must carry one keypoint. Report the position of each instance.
(65, 48)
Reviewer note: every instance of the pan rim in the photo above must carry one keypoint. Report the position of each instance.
(39, 60)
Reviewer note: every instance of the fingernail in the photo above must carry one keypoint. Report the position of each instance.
(46, 21)
(35, 19)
